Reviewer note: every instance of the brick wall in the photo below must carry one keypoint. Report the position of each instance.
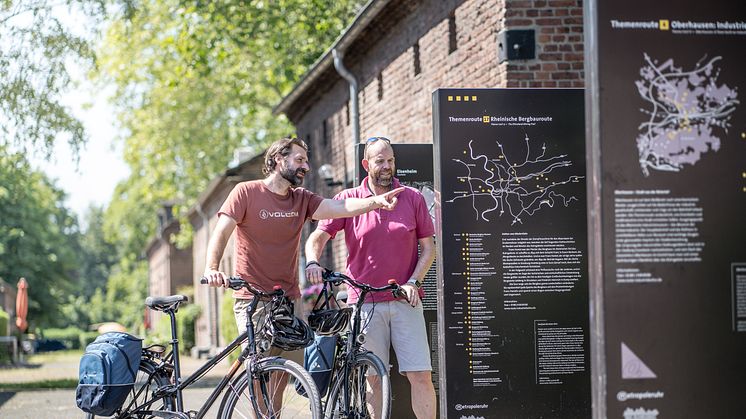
(395, 97)
(559, 43)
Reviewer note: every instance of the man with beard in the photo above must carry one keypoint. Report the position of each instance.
(383, 245)
(268, 216)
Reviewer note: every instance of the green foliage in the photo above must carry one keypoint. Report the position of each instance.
(185, 321)
(161, 332)
(196, 80)
(123, 300)
(38, 238)
(98, 255)
(70, 336)
(228, 327)
(60, 383)
(35, 73)
(85, 338)
(4, 322)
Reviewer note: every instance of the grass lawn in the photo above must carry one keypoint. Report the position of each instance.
(62, 383)
(49, 370)
(70, 355)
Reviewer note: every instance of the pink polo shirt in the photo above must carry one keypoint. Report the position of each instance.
(382, 244)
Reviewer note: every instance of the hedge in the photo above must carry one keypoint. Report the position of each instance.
(228, 328)
(186, 319)
(71, 337)
(4, 322)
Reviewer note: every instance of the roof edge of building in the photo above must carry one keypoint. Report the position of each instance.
(348, 36)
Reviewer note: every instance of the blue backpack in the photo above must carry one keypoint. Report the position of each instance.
(318, 360)
(107, 372)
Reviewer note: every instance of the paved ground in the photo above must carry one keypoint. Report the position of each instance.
(60, 404)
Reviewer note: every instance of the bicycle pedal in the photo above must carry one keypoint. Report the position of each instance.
(169, 415)
(165, 390)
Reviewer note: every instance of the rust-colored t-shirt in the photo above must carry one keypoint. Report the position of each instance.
(268, 234)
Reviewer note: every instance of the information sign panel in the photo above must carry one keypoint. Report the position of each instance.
(512, 245)
(669, 128)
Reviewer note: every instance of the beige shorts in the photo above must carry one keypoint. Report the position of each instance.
(239, 311)
(397, 324)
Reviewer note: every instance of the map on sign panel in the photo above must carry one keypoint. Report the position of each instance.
(686, 109)
(502, 184)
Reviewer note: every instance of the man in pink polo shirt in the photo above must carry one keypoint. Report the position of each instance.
(383, 245)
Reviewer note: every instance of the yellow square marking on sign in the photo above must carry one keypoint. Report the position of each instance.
(458, 98)
(486, 119)
(473, 98)
(663, 24)
(450, 98)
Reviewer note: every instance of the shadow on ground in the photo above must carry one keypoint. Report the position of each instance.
(5, 396)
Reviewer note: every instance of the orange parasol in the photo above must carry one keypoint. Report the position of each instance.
(22, 305)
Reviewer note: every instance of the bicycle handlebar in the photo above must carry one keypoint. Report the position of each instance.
(236, 283)
(337, 278)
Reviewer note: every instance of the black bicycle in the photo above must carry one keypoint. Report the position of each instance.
(358, 375)
(264, 389)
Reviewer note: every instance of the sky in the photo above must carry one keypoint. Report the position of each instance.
(101, 167)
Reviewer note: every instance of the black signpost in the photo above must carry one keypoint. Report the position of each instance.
(414, 168)
(512, 238)
(669, 162)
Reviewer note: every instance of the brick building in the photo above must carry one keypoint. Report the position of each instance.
(169, 268)
(399, 52)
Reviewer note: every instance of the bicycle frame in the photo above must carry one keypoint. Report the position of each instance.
(248, 353)
(353, 344)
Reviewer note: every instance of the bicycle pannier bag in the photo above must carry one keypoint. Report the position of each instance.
(107, 372)
(318, 360)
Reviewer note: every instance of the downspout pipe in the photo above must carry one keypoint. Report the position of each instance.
(354, 110)
(206, 225)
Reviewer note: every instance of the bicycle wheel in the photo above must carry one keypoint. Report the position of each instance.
(361, 390)
(255, 401)
(146, 382)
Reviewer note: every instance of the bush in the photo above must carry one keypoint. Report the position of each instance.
(160, 333)
(228, 328)
(5, 351)
(185, 321)
(69, 336)
(4, 320)
(86, 338)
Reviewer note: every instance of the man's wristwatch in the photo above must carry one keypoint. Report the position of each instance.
(416, 282)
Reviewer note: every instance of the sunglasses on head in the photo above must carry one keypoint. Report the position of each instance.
(372, 140)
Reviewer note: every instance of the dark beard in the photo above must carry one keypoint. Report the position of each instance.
(384, 183)
(292, 176)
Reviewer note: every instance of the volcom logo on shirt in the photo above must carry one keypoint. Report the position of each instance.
(264, 214)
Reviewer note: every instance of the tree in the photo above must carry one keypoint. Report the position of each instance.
(35, 54)
(97, 256)
(196, 80)
(38, 238)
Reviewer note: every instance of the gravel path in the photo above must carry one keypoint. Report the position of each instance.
(60, 404)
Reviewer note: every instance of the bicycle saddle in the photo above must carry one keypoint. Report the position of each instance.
(165, 303)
